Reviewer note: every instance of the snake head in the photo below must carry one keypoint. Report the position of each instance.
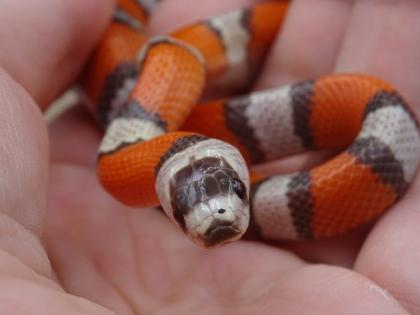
(212, 207)
(220, 219)
(205, 190)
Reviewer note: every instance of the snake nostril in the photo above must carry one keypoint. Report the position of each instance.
(221, 211)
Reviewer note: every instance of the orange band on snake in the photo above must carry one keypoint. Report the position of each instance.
(144, 90)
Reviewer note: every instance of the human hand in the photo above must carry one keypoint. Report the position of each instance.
(100, 257)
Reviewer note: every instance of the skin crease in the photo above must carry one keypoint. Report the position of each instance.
(96, 256)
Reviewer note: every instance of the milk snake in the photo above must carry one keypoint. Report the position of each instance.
(142, 90)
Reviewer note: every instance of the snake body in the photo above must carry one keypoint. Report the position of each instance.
(143, 90)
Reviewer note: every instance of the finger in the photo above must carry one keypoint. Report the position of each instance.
(390, 48)
(309, 42)
(390, 254)
(23, 166)
(45, 42)
(320, 289)
(171, 14)
(75, 138)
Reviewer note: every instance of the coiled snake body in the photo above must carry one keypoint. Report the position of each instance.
(143, 90)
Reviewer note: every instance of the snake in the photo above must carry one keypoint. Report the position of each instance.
(164, 146)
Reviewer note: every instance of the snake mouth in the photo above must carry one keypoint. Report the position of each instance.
(220, 232)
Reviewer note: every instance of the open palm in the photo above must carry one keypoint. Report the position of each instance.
(69, 248)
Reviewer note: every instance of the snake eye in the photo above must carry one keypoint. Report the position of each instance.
(239, 188)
